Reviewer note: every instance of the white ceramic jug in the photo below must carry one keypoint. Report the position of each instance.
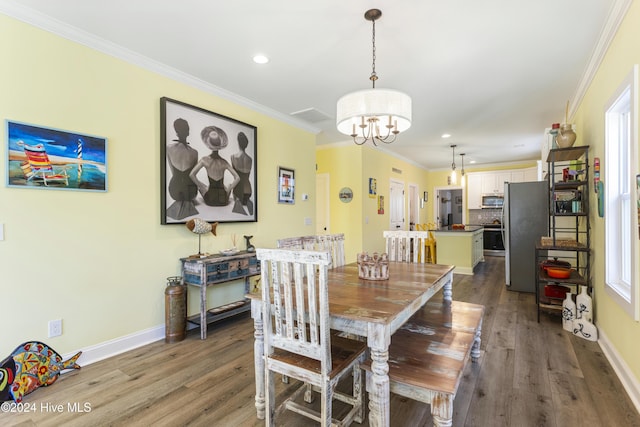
(568, 312)
(584, 305)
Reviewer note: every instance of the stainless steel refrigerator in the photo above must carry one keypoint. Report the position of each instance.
(525, 218)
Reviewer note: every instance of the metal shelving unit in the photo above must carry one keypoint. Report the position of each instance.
(569, 229)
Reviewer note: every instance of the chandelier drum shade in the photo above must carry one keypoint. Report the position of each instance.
(386, 106)
(376, 115)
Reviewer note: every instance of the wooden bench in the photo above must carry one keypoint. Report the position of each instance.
(428, 355)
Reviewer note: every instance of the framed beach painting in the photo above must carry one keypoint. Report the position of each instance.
(48, 158)
(207, 166)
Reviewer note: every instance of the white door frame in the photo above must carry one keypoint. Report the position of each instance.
(436, 201)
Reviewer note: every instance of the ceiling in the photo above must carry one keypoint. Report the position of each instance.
(491, 73)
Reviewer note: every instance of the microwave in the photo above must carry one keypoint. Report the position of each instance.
(492, 201)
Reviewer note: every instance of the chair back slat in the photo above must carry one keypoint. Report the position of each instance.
(295, 296)
(406, 246)
(334, 243)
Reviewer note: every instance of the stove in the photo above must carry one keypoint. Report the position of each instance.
(493, 244)
(492, 226)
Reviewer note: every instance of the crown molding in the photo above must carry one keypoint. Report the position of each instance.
(616, 15)
(44, 22)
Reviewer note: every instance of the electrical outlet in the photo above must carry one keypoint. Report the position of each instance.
(55, 328)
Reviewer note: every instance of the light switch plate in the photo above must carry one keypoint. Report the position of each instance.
(1, 231)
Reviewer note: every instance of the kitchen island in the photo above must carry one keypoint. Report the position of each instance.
(463, 248)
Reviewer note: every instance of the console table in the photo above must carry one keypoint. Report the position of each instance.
(217, 269)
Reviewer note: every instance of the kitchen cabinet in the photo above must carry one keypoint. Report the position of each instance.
(524, 175)
(479, 183)
(474, 191)
(478, 247)
(462, 248)
(493, 183)
(530, 174)
(569, 229)
(517, 176)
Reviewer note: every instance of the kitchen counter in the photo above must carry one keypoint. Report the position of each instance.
(467, 229)
(462, 248)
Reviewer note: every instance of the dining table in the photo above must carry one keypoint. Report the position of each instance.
(372, 309)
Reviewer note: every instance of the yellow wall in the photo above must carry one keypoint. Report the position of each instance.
(624, 52)
(99, 260)
(351, 166)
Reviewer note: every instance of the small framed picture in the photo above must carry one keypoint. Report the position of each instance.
(373, 188)
(286, 185)
(458, 200)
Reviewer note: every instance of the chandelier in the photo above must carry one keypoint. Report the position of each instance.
(376, 115)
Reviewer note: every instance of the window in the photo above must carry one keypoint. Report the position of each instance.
(621, 138)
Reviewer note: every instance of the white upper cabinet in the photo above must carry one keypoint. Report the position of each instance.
(493, 183)
(474, 191)
(531, 174)
(517, 176)
(479, 183)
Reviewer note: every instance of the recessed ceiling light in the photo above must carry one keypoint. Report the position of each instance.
(472, 161)
(446, 135)
(260, 59)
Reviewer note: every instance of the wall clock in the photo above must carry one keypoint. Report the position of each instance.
(345, 195)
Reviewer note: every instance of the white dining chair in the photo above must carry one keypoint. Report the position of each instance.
(297, 339)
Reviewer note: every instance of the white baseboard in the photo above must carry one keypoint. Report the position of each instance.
(119, 345)
(628, 380)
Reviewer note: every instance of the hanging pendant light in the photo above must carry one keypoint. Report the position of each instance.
(462, 179)
(376, 115)
(454, 175)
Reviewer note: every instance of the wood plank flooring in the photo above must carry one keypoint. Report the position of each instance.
(529, 374)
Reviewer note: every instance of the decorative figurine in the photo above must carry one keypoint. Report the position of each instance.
(247, 241)
(200, 227)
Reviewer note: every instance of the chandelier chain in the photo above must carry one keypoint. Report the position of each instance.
(374, 76)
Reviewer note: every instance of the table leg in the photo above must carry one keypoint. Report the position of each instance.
(448, 289)
(379, 395)
(258, 359)
(203, 311)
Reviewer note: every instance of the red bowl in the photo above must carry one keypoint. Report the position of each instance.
(556, 291)
(554, 263)
(559, 272)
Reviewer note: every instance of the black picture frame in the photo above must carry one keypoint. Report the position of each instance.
(182, 198)
(286, 185)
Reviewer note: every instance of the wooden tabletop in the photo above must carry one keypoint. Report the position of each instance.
(378, 301)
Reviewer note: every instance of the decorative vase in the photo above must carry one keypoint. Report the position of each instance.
(568, 312)
(566, 136)
(584, 329)
(584, 305)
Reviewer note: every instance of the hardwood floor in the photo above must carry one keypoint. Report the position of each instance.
(529, 374)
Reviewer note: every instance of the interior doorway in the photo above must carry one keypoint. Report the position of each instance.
(396, 205)
(449, 206)
(322, 203)
(414, 206)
